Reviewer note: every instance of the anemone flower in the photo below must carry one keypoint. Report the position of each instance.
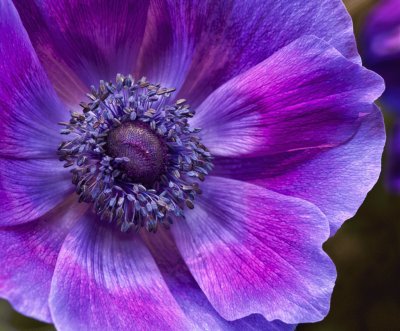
(381, 41)
(197, 198)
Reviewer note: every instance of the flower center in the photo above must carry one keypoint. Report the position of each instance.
(144, 149)
(134, 157)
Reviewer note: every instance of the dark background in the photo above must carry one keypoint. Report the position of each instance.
(366, 251)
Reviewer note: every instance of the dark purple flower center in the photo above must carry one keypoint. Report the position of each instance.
(144, 149)
(134, 156)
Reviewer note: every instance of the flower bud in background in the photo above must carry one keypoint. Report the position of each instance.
(381, 52)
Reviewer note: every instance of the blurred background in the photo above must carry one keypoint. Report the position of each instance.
(366, 251)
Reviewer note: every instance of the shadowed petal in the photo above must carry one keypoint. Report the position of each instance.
(334, 179)
(203, 44)
(107, 280)
(255, 251)
(306, 95)
(189, 295)
(29, 107)
(81, 42)
(28, 259)
(29, 189)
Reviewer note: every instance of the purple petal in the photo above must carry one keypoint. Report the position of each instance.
(29, 107)
(255, 251)
(210, 42)
(28, 259)
(84, 41)
(106, 280)
(29, 189)
(306, 95)
(334, 179)
(189, 295)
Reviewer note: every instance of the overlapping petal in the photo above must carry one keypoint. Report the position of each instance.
(29, 107)
(255, 251)
(92, 41)
(306, 95)
(210, 42)
(82, 42)
(28, 259)
(337, 180)
(190, 297)
(334, 179)
(106, 280)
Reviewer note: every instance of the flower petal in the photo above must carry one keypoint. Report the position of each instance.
(189, 295)
(334, 179)
(210, 42)
(306, 95)
(84, 42)
(29, 107)
(255, 251)
(29, 189)
(28, 259)
(107, 280)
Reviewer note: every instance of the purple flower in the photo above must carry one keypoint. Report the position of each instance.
(290, 143)
(381, 41)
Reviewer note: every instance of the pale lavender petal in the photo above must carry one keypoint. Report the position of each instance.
(203, 44)
(81, 42)
(255, 251)
(190, 297)
(29, 107)
(107, 280)
(338, 180)
(306, 95)
(28, 259)
(29, 189)
(335, 179)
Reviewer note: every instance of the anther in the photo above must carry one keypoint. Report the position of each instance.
(134, 157)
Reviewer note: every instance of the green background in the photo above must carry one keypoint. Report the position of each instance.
(366, 251)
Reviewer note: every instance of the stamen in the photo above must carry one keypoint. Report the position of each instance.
(135, 158)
